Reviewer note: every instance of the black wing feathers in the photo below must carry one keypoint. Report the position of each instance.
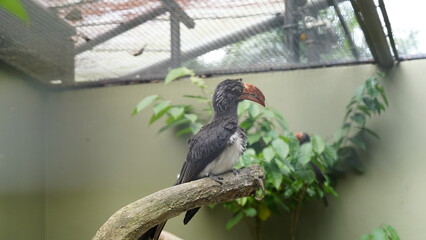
(205, 146)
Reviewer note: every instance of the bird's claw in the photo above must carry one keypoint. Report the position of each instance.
(215, 178)
(235, 171)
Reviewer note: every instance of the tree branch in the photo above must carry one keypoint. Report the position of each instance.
(133, 220)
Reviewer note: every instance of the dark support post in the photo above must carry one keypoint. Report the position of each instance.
(291, 30)
(175, 41)
(389, 28)
(366, 12)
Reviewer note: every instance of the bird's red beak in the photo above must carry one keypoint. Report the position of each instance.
(252, 93)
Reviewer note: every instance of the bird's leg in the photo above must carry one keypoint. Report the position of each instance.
(235, 171)
(215, 178)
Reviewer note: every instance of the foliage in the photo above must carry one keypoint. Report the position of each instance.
(290, 180)
(180, 116)
(368, 99)
(385, 232)
(16, 8)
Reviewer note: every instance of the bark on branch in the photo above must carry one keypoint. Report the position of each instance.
(133, 220)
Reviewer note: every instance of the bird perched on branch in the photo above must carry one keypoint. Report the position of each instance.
(218, 145)
(319, 176)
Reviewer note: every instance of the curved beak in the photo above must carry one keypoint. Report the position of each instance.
(252, 93)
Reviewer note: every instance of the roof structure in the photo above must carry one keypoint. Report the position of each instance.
(140, 40)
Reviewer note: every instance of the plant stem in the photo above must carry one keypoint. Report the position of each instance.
(295, 214)
(250, 227)
(258, 225)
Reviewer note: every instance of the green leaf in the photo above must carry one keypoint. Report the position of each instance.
(254, 110)
(250, 212)
(350, 155)
(263, 212)
(234, 220)
(359, 92)
(330, 155)
(178, 73)
(364, 109)
(358, 142)
(279, 118)
(305, 153)
(184, 131)
(241, 201)
(280, 147)
(199, 82)
(379, 234)
(371, 132)
(268, 154)
(160, 106)
(284, 169)
(158, 115)
(196, 127)
(144, 103)
(366, 237)
(176, 111)
(371, 87)
(16, 8)
(191, 117)
(253, 138)
(266, 139)
(243, 107)
(383, 94)
(340, 132)
(174, 123)
(277, 178)
(198, 98)
(370, 104)
(318, 144)
(359, 118)
(392, 232)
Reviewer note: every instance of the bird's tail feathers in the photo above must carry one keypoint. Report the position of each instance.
(189, 214)
(153, 233)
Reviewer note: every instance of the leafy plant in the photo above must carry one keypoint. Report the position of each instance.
(290, 179)
(385, 232)
(16, 8)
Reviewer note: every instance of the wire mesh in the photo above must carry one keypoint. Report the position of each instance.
(130, 39)
(408, 29)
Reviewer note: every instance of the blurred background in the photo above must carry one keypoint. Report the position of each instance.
(72, 71)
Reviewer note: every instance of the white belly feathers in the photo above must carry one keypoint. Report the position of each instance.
(228, 158)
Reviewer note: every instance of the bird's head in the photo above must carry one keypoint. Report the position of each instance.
(231, 91)
(302, 137)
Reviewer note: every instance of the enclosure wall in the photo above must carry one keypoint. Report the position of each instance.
(99, 158)
(21, 157)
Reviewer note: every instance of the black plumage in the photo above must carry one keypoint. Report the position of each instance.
(319, 176)
(218, 145)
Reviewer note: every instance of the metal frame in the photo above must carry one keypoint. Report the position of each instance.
(213, 45)
(176, 12)
(389, 28)
(368, 18)
(345, 27)
(160, 69)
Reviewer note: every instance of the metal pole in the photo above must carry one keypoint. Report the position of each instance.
(175, 59)
(291, 30)
(389, 28)
(369, 20)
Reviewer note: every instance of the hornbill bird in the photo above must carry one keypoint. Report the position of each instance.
(304, 138)
(217, 146)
